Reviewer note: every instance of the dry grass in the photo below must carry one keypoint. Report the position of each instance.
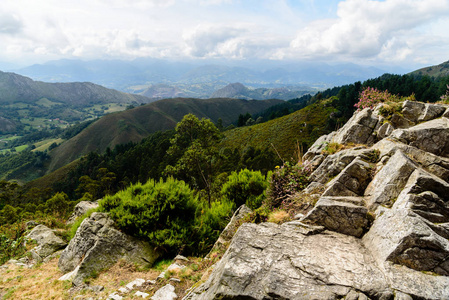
(278, 216)
(40, 282)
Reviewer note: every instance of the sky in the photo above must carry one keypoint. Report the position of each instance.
(406, 33)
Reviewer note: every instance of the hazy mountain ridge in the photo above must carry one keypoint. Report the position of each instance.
(239, 91)
(16, 88)
(123, 75)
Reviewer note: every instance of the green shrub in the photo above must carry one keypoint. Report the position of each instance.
(285, 181)
(161, 212)
(8, 215)
(12, 238)
(245, 187)
(209, 224)
(59, 205)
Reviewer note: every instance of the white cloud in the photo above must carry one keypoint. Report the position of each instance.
(368, 29)
(10, 24)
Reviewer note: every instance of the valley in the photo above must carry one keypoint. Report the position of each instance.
(170, 174)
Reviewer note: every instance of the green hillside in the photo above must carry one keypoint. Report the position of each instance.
(440, 70)
(135, 124)
(284, 134)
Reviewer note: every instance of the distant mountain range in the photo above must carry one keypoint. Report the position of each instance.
(200, 80)
(239, 91)
(15, 88)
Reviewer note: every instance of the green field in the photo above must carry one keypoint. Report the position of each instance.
(43, 145)
(47, 103)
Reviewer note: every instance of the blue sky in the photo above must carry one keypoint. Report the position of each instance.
(405, 33)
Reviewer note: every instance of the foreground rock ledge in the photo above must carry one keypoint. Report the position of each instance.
(97, 245)
(269, 261)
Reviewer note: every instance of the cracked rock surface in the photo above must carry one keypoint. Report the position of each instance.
(380, 229)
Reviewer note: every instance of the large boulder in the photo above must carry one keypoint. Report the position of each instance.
(97, 245)
(269, 261)
(352, 180)
(346, 215)
(431, 136)
(389, 181)
(380, 229)
(414, 232)
(47, 242)
(359, 129)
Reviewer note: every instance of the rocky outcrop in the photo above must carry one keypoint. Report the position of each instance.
(47, 242)
(379, 230)
(80, 209)
(269, 261)
(97, 246)
(226, 235)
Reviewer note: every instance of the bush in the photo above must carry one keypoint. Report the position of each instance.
(286, 181)
(209, 224)
(59, 205)
(370, 97)
(12, 238)
(8, 215)
(161, 212)
(245, 187)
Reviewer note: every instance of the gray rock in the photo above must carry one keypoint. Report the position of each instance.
(167, 292)
(431, 111)
(339, 216)
(230, 229)
(115, 296)
(269, 261)
(335, 163)
(412, 110)
(431, 136)
(135, 283)
(97, 246)
(352, 180)
(384, 130)
(80, 209)
(398, 121)
(47, 242)
(141, 294)
(406, 234)
(389, 181)
(359, 129)
(437, 165)
(446, 113)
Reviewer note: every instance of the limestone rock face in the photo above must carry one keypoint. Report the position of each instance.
(339, 215)
(431, 136)
(380, 227)
(230, 229)
(80, 209)
(269, 261)
(389, 181)
(97, 246)
(47, 242)
(359, 129)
